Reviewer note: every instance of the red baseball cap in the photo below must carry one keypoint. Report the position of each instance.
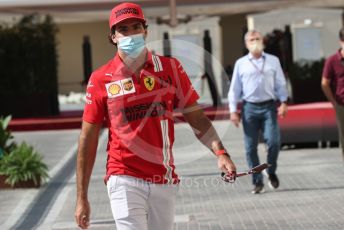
(125, 11)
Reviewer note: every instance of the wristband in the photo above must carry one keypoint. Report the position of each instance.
(220, 152)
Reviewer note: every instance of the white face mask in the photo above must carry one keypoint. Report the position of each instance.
(132, 45)
(342, 45)
(255, 47)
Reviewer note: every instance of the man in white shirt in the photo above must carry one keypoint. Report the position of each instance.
(259, 81)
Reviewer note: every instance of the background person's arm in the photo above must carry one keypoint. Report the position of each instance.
(234, 95)
(325, 85)
(235, 118)
(281, 89)
(88, 142)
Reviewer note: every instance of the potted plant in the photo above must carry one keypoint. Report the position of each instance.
(23, 167)
(20, 165)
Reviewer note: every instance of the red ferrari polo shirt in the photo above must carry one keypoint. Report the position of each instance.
(139, 114)
(334, 71)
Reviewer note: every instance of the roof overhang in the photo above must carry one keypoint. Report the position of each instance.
(65, 11)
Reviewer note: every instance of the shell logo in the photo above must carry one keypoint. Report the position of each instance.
(114, 89)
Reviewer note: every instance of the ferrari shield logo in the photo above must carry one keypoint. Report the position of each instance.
(149, 82)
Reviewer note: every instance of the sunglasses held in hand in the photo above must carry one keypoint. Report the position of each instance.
(230, 177)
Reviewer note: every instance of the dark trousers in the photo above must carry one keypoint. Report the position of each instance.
(256, 118)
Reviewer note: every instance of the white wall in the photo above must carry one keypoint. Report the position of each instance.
(70, 59)
(187, 45)
(70, 37)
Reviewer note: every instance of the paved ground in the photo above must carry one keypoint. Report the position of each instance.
(311, 195)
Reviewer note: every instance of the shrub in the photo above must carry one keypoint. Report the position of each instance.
(306, 75)
(28, 63)
(5, 136)
(23, 164)
(305, 70)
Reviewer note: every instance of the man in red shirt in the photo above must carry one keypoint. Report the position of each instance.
(136, 93)
(333, 85)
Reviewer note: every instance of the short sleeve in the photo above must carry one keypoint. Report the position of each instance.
(94, 110)
(185, 92)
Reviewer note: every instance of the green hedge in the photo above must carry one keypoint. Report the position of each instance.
(306, 70)
(305, 78)
(28, 62)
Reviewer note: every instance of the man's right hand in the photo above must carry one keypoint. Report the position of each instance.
(82, 213)
(235, 118)
(88, 142)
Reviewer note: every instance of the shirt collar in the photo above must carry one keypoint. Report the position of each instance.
(250, 56)
(149, 61)
(119, 67)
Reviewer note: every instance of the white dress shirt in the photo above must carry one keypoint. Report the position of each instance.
(257, 80)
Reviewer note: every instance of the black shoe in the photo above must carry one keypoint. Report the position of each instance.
(258, 188)
(273, 181)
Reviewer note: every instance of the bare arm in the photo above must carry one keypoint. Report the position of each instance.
(88, 142)
(206, 133)
(325, 85)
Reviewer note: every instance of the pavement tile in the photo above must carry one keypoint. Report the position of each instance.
(311, 194)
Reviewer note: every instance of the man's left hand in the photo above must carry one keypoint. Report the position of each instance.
(225, 164)
(282, 110)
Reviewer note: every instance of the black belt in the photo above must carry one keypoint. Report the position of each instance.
(262, 102)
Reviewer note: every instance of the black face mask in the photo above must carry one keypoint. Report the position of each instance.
(342, 61)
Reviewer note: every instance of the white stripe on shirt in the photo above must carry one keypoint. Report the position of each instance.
(166, 151)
